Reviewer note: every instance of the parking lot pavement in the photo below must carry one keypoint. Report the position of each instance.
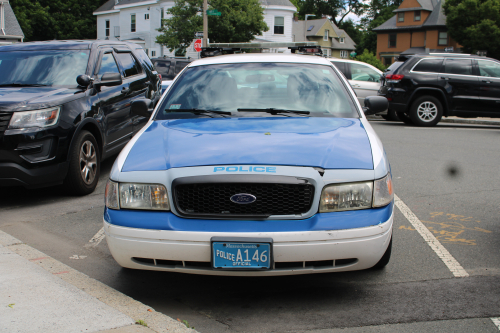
(447, 176)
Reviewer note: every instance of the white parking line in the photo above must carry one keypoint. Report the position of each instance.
(496, 321)
(441, 251)
(96, 239)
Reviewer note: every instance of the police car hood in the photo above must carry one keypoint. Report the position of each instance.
(329, 143)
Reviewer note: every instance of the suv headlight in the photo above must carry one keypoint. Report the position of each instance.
(136, 196)
(36, 118)
(353, 196)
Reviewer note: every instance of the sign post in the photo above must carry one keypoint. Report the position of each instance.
(205, 23)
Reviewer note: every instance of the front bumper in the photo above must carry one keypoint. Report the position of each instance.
(295, 252)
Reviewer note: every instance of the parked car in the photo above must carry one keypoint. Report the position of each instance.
(169, 67)
(426, 87)
(364, 78)
(255, 165)
(65, 107)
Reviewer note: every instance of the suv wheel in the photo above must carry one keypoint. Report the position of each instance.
(84, 165)
(404, 118)
(426, 111)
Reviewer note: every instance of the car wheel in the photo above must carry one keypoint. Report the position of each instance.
(385, 258)
(404, 118)
(426, 111)
(84, 165)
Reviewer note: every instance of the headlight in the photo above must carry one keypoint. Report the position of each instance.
(346, 197)
(136, 196)
(354, 196)
(383, 192)
(143, 196)
(37, 118)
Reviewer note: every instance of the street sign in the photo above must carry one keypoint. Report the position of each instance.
(198, 34)
(197, 45)
(353, 54)
(213, 12)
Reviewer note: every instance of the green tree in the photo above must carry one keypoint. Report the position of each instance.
(337, 10)
(475, 24)
(56, 19)
(371, 59)
(240, 21)
(352, 29)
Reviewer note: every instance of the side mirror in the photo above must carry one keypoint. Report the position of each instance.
(83, 80)
(140, 107)
(375, 104)
(109, 79)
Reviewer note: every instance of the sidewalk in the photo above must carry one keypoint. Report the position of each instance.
(41, 294)
(456, 120)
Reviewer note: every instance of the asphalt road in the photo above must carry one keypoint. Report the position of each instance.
(448, 176)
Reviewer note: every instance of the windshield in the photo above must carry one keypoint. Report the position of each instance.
(45, 67)
(245, 89)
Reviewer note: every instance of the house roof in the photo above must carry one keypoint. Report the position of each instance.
(436, 18)
(285, 3)
(12, 27)
(299, 26)
(110, 4)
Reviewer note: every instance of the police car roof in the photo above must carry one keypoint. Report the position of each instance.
(261, 57)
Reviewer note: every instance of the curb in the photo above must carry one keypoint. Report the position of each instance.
(455, 120)
(156, 321)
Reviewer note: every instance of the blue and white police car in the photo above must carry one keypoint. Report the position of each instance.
(255, 165)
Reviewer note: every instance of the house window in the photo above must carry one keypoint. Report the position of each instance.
(417, 15)
(443, 38)
(392, 40)
(107, 28)
(343, 54)
(153, 53)
(146, 16)
(279, 25)
(325, 36)
(401, 17)
(132, 23)
(341, 40)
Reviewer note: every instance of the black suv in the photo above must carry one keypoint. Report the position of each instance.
(170, 67)
(426, 87)
(65, 106)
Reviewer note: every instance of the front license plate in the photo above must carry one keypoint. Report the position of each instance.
(241, 255)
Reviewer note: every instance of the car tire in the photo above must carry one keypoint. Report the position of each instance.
(385, 258)
(426, 111)
(84, 165)
(404, 118)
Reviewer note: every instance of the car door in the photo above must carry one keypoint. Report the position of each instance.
(113, 103)
(138, 83)
(489, 91)
(365, 80)
(462, 86)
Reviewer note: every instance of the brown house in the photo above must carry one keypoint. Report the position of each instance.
(419, 26)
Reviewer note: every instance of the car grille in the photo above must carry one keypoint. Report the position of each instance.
(213, 199)
(4, 121)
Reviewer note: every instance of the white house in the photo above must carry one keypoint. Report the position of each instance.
(138, 20)
(10, 31)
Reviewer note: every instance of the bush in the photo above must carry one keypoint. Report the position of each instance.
(371, 59)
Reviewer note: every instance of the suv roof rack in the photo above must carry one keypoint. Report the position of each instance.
(215, 49)
(452, 54)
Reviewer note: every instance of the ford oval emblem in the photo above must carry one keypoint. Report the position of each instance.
(243, 198)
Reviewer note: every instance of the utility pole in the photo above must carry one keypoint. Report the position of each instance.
(205, 24)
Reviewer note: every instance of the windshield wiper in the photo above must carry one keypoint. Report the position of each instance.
(276, 111)
(23, 85)
(201, 111)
